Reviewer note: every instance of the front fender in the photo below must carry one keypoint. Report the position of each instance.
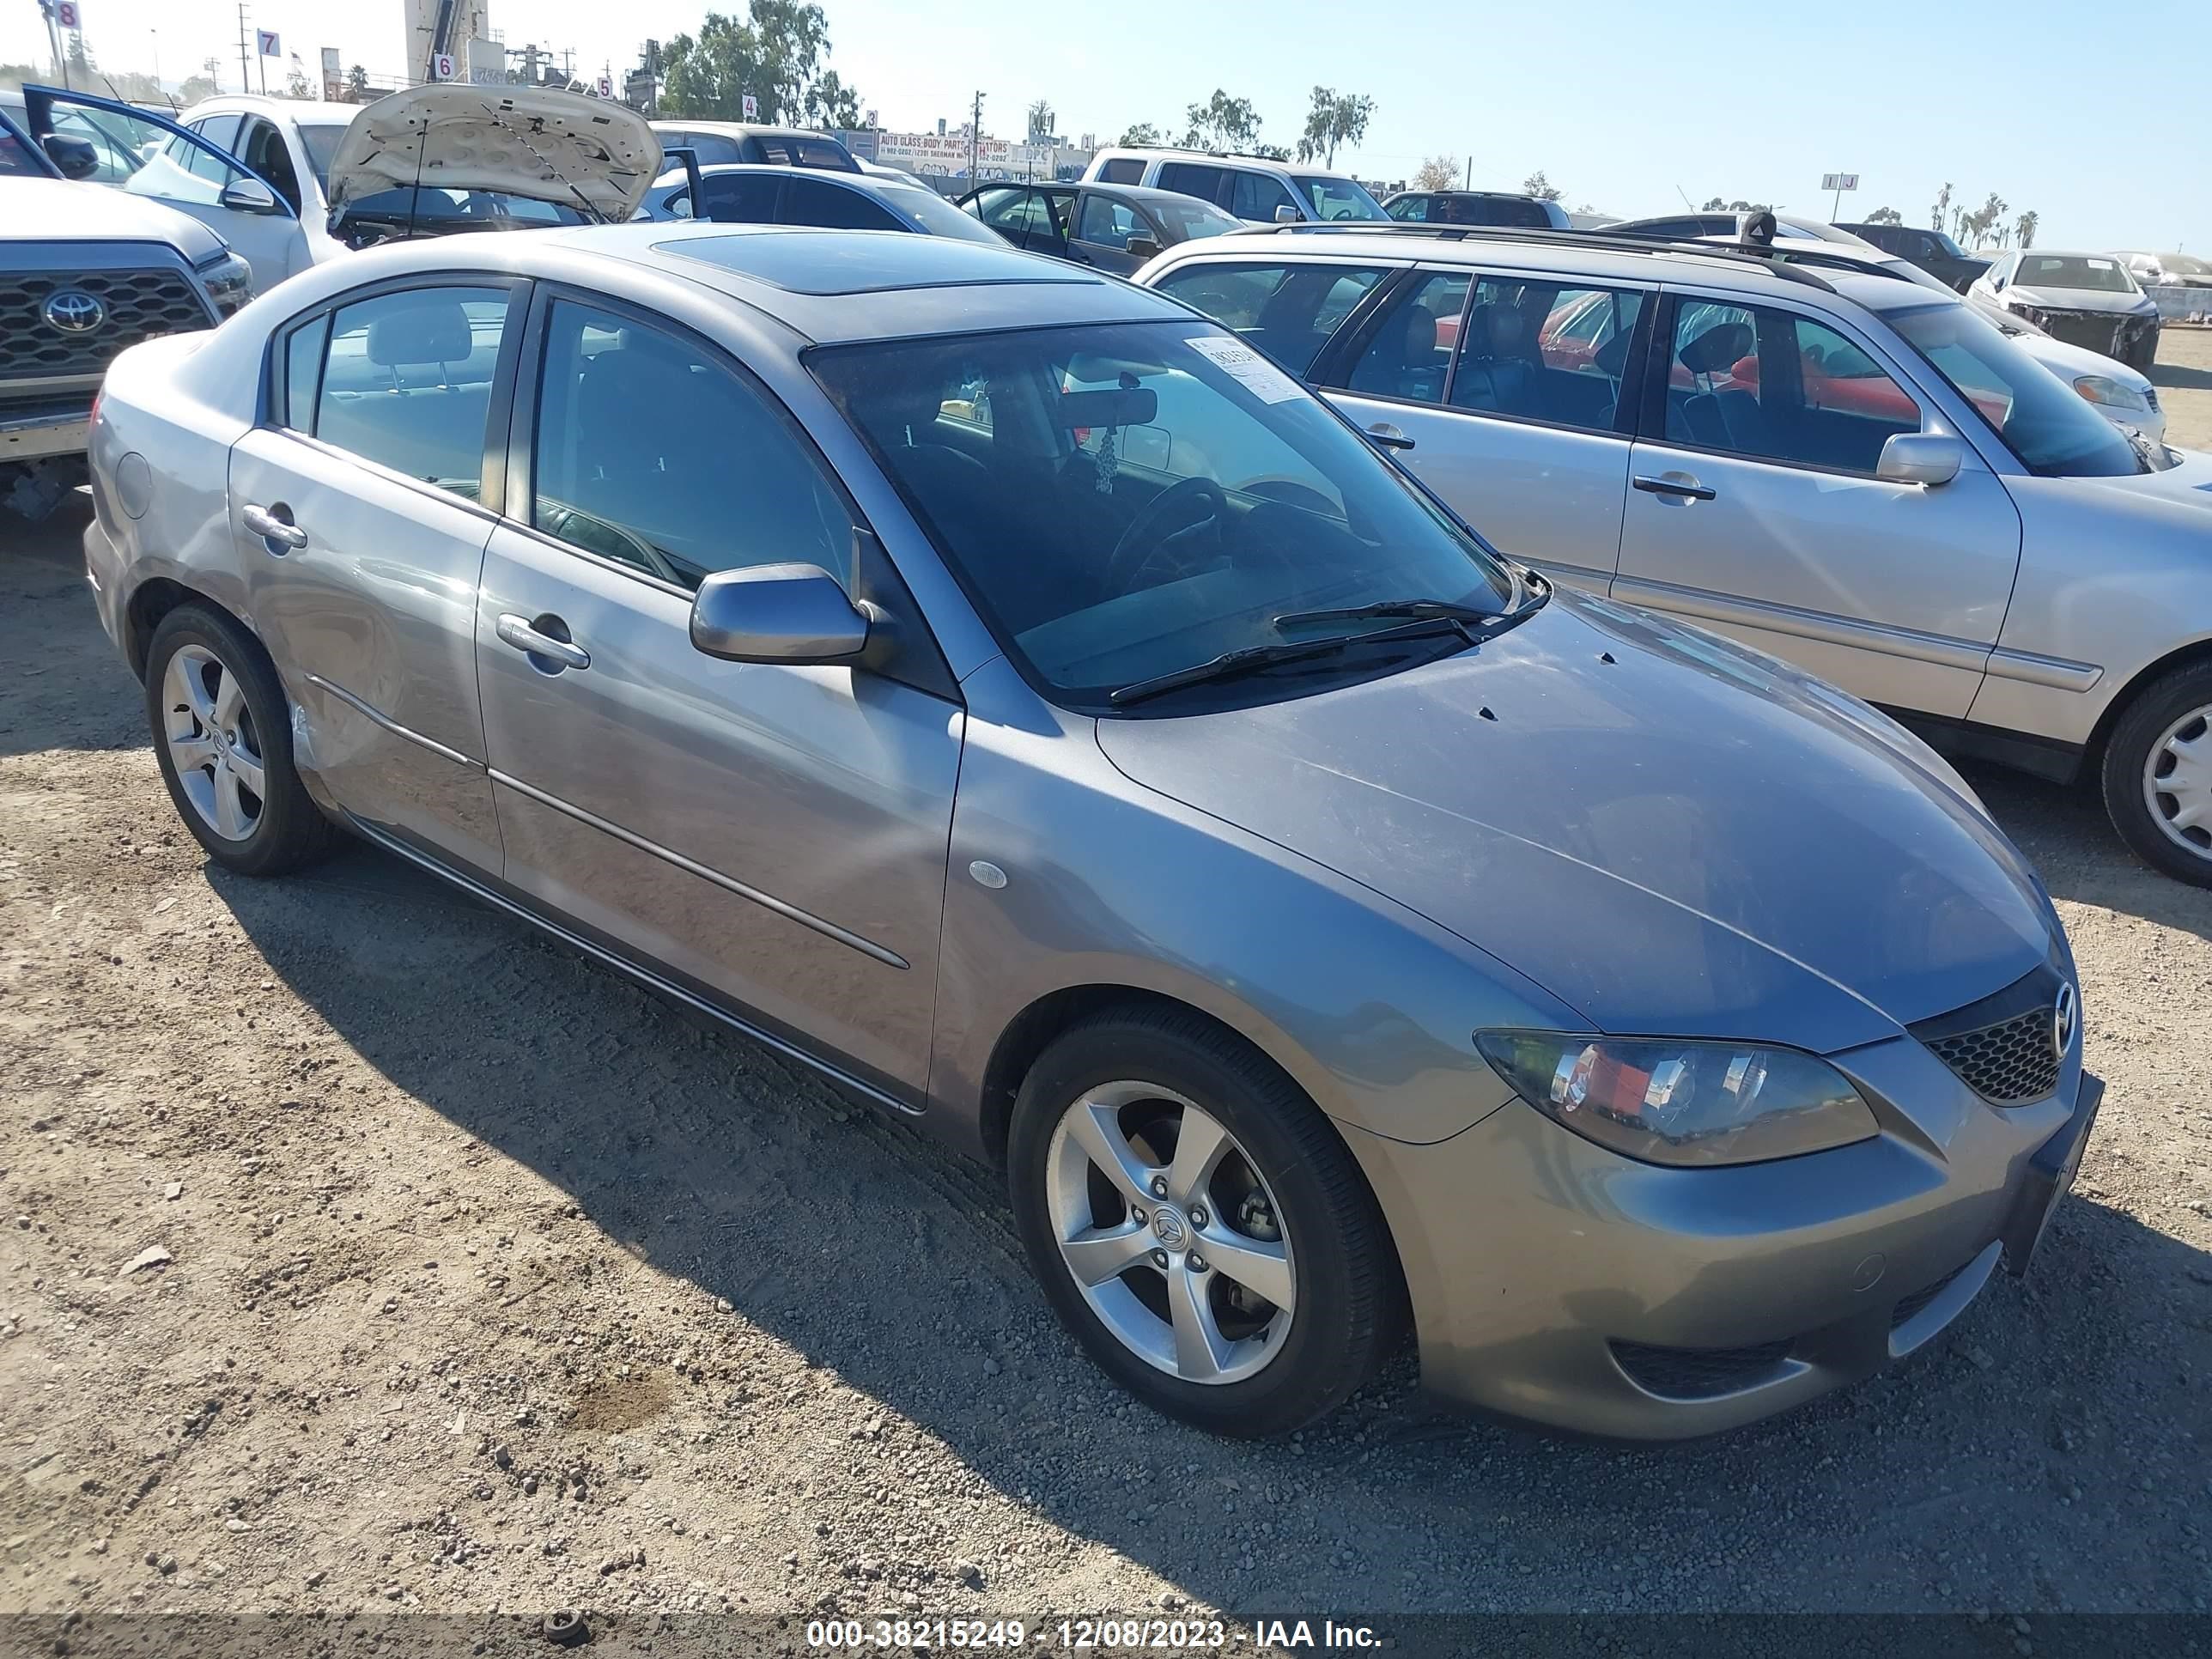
(1370, 1007)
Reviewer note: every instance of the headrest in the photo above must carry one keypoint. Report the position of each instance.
(1420, 336)
(1717, 348)
(422, 331)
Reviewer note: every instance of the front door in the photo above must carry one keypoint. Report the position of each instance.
(772, 836)
(1754, 509)
(109, 142)
(358, 520)
(1508, 391)
(1103, 226)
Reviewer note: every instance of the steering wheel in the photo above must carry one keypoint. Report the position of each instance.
(1134, 551)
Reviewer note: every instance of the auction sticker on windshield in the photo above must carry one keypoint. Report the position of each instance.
(1258, 376)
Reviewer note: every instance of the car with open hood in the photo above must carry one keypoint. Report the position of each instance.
(289, 184)
(2084, 299)
(1006, 693)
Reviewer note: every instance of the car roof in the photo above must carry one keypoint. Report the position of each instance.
(308, 112)
(1454, 190)
(1224, 158)
(752, 127)
(872, 184)
(835, 287)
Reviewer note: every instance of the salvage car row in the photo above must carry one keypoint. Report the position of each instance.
(1187, 742)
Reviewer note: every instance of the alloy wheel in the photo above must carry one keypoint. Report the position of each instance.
(213, 742)
(2178, 782)
(1170, 1232)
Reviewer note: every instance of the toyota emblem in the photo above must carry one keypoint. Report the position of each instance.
(2065, 1016)
(72, 311)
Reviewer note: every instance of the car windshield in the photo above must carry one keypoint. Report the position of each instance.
(2099, 275)
(1187, 219)
(322, 142)
(2055, 433)
(1124, 501)
(1337, 198)
(939, 216)
(2184, 264)
(1943, 241)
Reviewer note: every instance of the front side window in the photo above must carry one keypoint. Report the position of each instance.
(1146, 496)
(1546, 351)
(651, 453)
(2054, 432)
(1108, 222)
(1187, 220)
(1287, 311)
(1768, 384)
(737, 198)
(1255, 196)
(1409, 350)
(812, 202)
(1337, 198)
(1412, 209)
(406, 382)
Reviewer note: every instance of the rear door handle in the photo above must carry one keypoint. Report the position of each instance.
(517, 632)
(1679, 484)
(265, 524)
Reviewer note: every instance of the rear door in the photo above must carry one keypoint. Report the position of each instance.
(110, 142)
(817, 200)
(1755, 508)
(738, 199)
(360, 510)
(1514, 393)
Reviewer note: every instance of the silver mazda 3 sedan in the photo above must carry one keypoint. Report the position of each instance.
(1001, 691)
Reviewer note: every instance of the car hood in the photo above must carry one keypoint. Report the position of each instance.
(63, 210)
(2091, 301)
(2072, 359)
(596, 157)
(1670, 833)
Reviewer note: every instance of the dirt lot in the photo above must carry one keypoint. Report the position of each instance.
(487, 1282)
(2183, 375)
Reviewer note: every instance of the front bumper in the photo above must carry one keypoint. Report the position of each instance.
(1600, 1295)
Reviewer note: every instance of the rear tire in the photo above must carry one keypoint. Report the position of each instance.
(222, 735)
(2165, 738)
(1277, 1203)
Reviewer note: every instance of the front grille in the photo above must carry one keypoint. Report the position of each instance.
(140, 305)
(2089, 331)
(2150, 397)
(2008, 1063)
(1700, 1373)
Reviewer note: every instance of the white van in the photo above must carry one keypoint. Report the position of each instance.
(1248, 187)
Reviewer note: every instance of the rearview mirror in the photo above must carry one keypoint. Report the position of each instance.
(786, 613)
(248, 196)
(1140, 247)
(1920, 457)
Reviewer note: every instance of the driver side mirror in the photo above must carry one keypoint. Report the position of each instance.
(786, 613)
(1286, 214)
(75, 157)
(248, 196)
(1929, 459)
(1141, 247)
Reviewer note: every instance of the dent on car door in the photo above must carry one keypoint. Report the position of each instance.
(1754, 507)
(769, 837)
(361, 523)
(137, 151)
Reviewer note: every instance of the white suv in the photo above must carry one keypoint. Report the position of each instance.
(1856, 472)
(1248, 188)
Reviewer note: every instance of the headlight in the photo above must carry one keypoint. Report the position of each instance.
(229, 282)
(2102, 389)
(1682, 1102)
(2033, 314)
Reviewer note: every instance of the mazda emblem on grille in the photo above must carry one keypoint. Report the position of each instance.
(2065, 1014)
(72, 311)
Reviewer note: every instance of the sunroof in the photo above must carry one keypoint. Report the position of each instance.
(861, 262)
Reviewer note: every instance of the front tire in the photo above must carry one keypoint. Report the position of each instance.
(2158, 775)
(222, 735)
(1198, 1225)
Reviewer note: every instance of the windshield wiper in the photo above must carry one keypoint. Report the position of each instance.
(1229, 664)
(1441, 608)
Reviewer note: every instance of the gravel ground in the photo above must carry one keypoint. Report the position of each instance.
(362, 1251)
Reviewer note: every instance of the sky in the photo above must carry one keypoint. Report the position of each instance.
(2073, 111)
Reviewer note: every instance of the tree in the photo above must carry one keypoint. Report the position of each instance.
(1143, 135)
(194, 87)
(1222, 122)
(2023, 228)
(1975, 228)
(1538, 185)
(1942, 206)
(1718, 205)
(1334, 118)
(1041, 114)
(357, 82)
(1885, 216)
(1437, 173)
(774, 53)
(14, 75)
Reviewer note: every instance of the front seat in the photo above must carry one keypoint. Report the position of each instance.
(1730, 417)
(1402, 361)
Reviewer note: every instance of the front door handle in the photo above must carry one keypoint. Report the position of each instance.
(524, 637)
(1674, 484)
(1383, 435)
(264, 522)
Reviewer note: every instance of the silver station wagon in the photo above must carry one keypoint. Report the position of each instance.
(1006, 693)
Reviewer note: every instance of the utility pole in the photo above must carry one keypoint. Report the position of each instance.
(214, 67)
(975, 135)
(245, 69)
(1470, 172)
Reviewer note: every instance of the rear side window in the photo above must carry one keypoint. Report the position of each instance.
(407, 380)
(1289, 311)
(1546, 351)
(1192, 180)
(650, 454)
(1409, 349)
(1512, 212)
(1414, 209)
(303, 370)
(821, 153)
(811, 202)
(1127, 170)
(740, 198)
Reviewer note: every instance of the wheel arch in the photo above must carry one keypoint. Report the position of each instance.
(2197, 654)
(154, 599)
